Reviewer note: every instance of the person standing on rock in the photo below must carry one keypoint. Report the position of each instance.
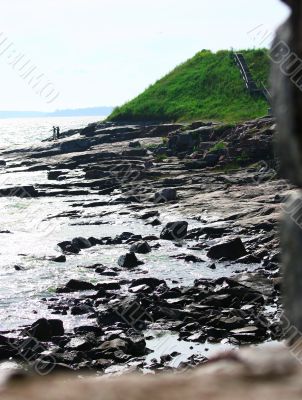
(58, 132)
(54, 130)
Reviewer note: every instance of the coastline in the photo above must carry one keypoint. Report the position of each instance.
(219, 179)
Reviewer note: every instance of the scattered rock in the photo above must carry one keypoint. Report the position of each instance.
(129, 260)
(140, 247)
(68, 247)
(134, 144)
(19, 191)
(81, 243)
(174, 230)
(44, 329)
(75, 285)
(230, 250)
(59, 259)
(165, 195)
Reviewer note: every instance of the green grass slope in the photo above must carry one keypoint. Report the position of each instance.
(209, 86)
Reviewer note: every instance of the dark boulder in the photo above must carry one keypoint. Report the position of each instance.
(94, 241)
(59, 259)
(68, 247)
(75, 285)
(147, 285)
(129, 260)
(89, 130)
(19, 191)
(134, 144)
(231, 250)
(111, 346)
(165, 195)
(152, 282)
(6, 352)
(44, 329)
(53, 175)
(174, 230)
(108, 285)
(137, 346)
(81, 309)
(150, 214)
(95, 174)
(81, 243)
(154, 222)
(140, 247)
(211, 159)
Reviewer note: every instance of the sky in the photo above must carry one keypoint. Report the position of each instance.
(104, 52)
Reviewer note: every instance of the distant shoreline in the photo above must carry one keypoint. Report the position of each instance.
(81, 112)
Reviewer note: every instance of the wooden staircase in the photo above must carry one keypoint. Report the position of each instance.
(250, 84)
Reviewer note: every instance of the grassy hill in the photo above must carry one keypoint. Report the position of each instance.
(208, 87)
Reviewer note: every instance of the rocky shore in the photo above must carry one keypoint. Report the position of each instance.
(204, 195)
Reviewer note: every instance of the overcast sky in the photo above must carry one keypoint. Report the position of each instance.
(104, 52)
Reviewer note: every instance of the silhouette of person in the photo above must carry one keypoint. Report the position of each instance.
(58, 132)
(54, 133)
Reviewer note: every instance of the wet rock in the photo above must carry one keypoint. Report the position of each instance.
(211, 159)
(53, 175)
(89, 130)
(81, 343)
(140, 289)
(182, 142)
(104, 272)
(124, 236)
(154, 222)
(134, 238)
(174, 230)
(249, 334)
(136, 152)
(150, 238)
(165, 195)
(59, 259)
(44, 329)
(113, 345)
(19, 191)
(188, 258)
(81, 309)
(73, 146)
(136, 346)
(249, 259)
(94, 241)
(228, 322)
(108, 285)
(129, 260)
(95, 174)
(147, 285)
(151, 282)
(134, 144)
(18, 268)
(230, 250)
(6, 352)
(81, 243)
(86, 329)
(149, 214)
(140, 247)
(68, 247)
(75, 285)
